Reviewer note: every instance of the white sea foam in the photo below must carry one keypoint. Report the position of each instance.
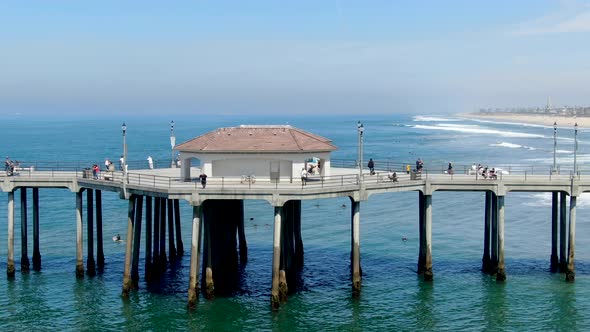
(545, 200)
(512, 123)
(477, 130)
(433, 119)
(507, 145)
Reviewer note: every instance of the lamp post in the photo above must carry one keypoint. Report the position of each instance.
(575, 147)
(361, 130)
(124, 166)
(554, 170)
(172, 143)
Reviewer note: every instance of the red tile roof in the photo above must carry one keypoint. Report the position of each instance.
(257, 139)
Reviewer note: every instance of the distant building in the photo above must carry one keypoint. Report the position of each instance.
(275, 152)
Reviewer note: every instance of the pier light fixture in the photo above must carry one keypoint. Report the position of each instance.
(361, 131)
(124, 166)
(575, 148)
(554, 170)
(172, 143)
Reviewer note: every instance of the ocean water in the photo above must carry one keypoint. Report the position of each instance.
(393, 296)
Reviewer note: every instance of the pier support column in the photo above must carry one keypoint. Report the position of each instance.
(276, 258)
(171, 244)
(428, 238)
(36, 251)
(163, 259)
(297, 234)
(193, 283)
(485, 266)
(24, 260)
(90, 263)
(10, 260)
(209, 285)
(554, 230)
(127, 284)
(136, 240)
(156, 258)
(570, 273)
(99, 239)
(494, 248)
(421, 233)
(562, 232)
(355, 263)
(79, 250)
(500, 271)
(242, 235)
(148, 237)
(179, 245)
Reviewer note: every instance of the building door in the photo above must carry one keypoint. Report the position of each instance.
(275, 170)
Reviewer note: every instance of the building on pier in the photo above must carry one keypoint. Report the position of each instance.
(278, 152)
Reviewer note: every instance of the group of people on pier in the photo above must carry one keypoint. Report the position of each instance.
(485, 172)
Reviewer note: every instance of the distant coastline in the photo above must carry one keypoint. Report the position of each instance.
(540, 119)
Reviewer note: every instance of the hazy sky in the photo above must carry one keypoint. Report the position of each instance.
(332, 56)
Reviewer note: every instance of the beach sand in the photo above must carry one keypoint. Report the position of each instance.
(547, 120)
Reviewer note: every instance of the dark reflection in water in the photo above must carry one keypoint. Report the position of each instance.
(494, 304)
(423, 307)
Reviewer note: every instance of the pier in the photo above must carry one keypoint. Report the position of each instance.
(218, 242)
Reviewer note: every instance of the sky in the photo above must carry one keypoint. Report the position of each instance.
(291, 57)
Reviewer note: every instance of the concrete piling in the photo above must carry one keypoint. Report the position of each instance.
(163, 259)
(500, 271)
(193, 284)
(148, 237)
(242, 235)
(207, 266)
(276, 258)
(428, 238)
(24, 260)
(90, 263)
(156, 222)
(570, 273)
(421, 232)
(171, 244)
(554, 262)
(562, 232)
(127, 283)
(136, 240)
(10, 270)
(179, 245)
(485, 266)
(99, 238)
(494, 231)
(36, 251)
(297, 234)
(79, 238)
(355, 250)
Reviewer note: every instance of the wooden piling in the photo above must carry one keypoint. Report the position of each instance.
(562, 232)
(554, 262)
(127, 284)
(99, 237)
(148, 237)
(356, 250)
(171, 244)
(193, 284)
(179, 245)
(24, 260)
(36, 250)
(90, 263)
(500, 271)
(485, 266)
(79, 238)
(10, 270)
(570, 273)
(136, 240)
(276, 258)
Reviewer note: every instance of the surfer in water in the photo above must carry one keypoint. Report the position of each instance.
(117, 238)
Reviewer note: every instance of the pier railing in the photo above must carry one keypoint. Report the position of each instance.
(381, 176)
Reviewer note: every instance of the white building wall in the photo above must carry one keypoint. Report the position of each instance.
(238, 164)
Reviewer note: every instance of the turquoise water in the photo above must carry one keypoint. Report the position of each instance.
(393, 297)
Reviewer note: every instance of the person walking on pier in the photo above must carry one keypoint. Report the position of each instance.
(408, 168)
(203, 178)
(371, 166)
(450, 168)
(121, 162)
(150, 162)
(303, 176)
